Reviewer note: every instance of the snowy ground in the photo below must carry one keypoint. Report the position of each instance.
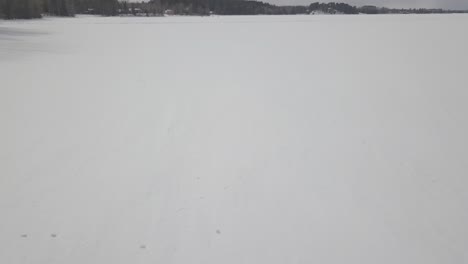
(298, 139)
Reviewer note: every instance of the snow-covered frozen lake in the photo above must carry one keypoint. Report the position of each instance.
(256, 140)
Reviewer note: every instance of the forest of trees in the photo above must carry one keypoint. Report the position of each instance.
(10, 9)
(249, 7)
(206, 7)
(333, 8)
(24, 9)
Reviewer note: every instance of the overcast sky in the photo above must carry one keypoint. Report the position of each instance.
(446, 4)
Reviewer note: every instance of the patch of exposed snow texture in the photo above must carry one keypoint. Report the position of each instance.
(295, 139)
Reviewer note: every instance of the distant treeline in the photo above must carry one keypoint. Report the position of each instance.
(249, 7)
(24, 9)
(12, 9)
(342, 8)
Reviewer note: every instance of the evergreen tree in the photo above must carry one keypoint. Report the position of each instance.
(2, 13)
